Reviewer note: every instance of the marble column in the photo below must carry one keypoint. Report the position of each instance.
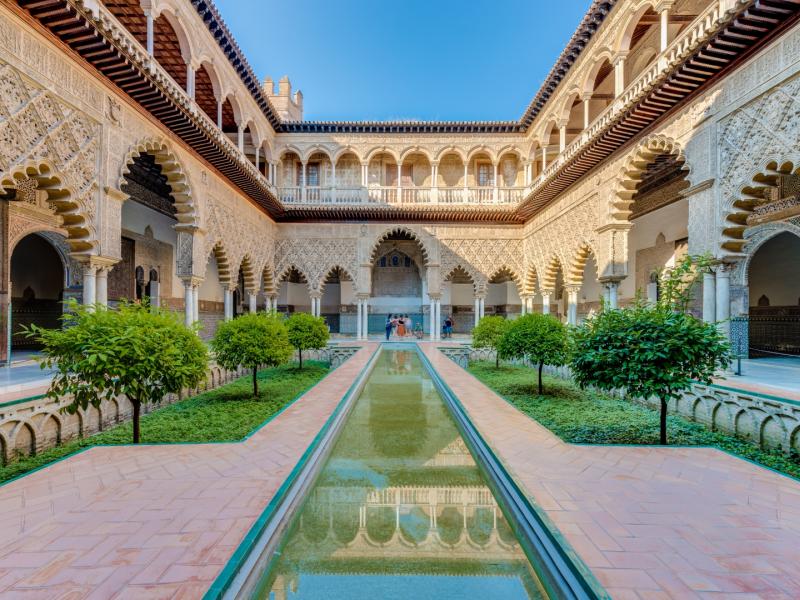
(723, 297)
(613, 294)
(709, 296)
(253, 298)
(196, 301)
(359, 321)
(228, 301)
(483, 307)
(546, 301)
(102, 285)
(477, 310)
(572, 305)
(89, 284)
(188, 302)
(365, 317)
(432, 319)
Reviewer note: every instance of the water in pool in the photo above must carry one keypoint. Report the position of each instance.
(400, 509)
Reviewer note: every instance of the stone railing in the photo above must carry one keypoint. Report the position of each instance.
(333, 354)
(32, 425)
(687, 42)
(392, 195)
(770, 422)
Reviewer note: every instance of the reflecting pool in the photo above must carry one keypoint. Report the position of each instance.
(400, 509)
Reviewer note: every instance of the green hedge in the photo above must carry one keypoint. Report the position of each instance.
(586, 417)
(226, 414)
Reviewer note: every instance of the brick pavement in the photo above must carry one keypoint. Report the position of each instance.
(151, 521)
(650, 522)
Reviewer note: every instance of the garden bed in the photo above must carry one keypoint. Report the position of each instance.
(226, 414)
(587, 417)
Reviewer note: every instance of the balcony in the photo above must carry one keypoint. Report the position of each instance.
(399, 196)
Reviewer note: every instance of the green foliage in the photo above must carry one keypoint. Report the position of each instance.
(488, 333)
(252, 340)
(542, 339)
(307, 332)
(587, 417)
(650, 349)
(225, 414)
(136, 351)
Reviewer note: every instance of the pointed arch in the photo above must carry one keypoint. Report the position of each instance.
(550, 274)
(470, 273)
(574, 274)
(42, 175)
(530, 285)
(505, 272)
(344, 275)
(399, 231)
(635, 167)
(223, 264)
(177, 177)
(268, 280)
(249, 273)
(755, 192)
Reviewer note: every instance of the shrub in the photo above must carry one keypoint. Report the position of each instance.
(135, 351)
(651, 349)
(488, 332)
(252, 340)
(307, 332)
(542, 339)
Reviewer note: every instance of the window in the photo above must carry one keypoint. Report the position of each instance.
(485, 174)
(312, 174)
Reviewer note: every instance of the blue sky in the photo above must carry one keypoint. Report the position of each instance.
(415, 59)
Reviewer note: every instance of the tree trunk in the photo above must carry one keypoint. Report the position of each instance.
(541, 389)
(496, 359)
(663, 436)
(300, 354)
(255, 381)
(137, 407)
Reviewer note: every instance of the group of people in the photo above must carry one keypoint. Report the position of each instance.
(403, 326)
(400, 326)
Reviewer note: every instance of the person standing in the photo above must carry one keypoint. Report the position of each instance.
(409, 326)
(401, 327)
(388, 327)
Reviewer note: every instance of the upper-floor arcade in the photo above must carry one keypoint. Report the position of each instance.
(622, 50)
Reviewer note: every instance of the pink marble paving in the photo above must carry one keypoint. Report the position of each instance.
(151, 521)
(650, 522)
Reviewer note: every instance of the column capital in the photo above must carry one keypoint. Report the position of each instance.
(572, 289)
(663, 5)
(546, 292)
(434, 296)
(619, 57)
(362, 296)
(611, 280)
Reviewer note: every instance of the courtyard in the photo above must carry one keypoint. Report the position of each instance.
(502, 303)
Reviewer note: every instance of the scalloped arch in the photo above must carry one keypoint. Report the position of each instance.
(177, 177)
(408, 231)
(574, 274)
(76, 223)
(634, 168)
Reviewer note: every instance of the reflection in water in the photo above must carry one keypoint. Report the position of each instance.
(400, 510)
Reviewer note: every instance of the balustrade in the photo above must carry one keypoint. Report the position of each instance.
(408, 195)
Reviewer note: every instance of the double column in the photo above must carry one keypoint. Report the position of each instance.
(479, 308)
(546, 295)
(228, 301)
(572, 304)
(362, 319)
(435, 317)
(191, 300)
(316, 305)
(95, 280)
(717, 296)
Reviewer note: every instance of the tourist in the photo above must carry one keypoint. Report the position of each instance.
(401, 327)
(448, 327)
(409, 326)
(389, 327)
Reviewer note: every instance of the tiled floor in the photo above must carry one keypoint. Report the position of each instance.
(153, 521)
(650, 522)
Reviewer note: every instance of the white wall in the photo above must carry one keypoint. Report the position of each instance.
(672, 221)
(211, 289)
(775, 271)
(591, 289)
(135, 217)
